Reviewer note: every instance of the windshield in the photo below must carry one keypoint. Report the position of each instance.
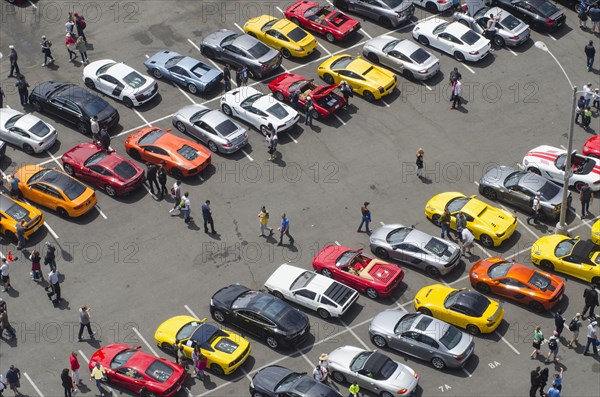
(440, 28)
(259, 50)
(397, 236)
(250, 100)
(470, 37)
(278, 111)
(11, 122)
(134, 80)
(436, 246)
(229, 39)
(360, 360)
(104, 68)
(226, 128)
(188, 152)
(186, 331)
(564, 248)
(200, 70)
(420, 56)
(510, 22)
(198, 115)
(173, 61)
(159, 371)
(39, 129)
(451, 338)
(95, 158)
(549, 191)
(342, 63)
(405, 323)
(151, 137)
(122, 358)
(95, 105)
(390, 46)
(540, 281)
(296, 85)
(287, 382)
(499, 269)
(303, 280)
(297, 34)
(457, 204)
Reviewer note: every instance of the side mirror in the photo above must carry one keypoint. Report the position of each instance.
(138, 347)
(168, 130)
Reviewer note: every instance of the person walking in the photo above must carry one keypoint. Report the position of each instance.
(272, 142)
(558, 378)
(245, 74)
(15, 192)
(70, 46)
(69, 25)
(353, 389)
(590, 53)
(466, 241)
(5, 325)
(13, 377)
(54, 281)
(553, 391)
(317, 374)
(238, 77)
(455, 98)
(151, 173)
(176, 194)
(36, 266)
(47, 51)
(98, 375)
(20, 231)
(161, 176)
(13, 58)
(574, 326)
(227, 77)
(85, 322)
(536, 207)
(454, 77)
(74, 365)
(309, 109)
(594, 13)
(346, 92)
(23, 89)
(553, 345)
(586, 198)
(538, 338)
(592, 338)
(5, 273)
(583, 15)
(50, 257)
(67, 382)
(284, 229)
(263, 217)
(559, 321)
(365, 218)
(445, 223)
(185, 207)
(534, 378)
(587, 94)
(590, 298)
(544, 374)
(294, 98)
(104, 138)
(80, 24)
(207, 217)
(81, 46)
(2, 98)
(419, 163)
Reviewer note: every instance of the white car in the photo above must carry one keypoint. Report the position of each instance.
(26, 131)
(372, 371)
(120, 81)
(453, 38)
(329, 298)
(402, 56)
(549, 162)
(259, 109)
(433, 5)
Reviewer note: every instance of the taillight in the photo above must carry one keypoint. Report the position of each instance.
(442, 1)
(473, 52)
(80, 206)
(423, 72)
(459, 358)
(550, 22)
(597, 182)
(514, 38)
(400, 15)
(227, 145)
(402, 391)
(139, 97)
(380, 89)
(264, 66)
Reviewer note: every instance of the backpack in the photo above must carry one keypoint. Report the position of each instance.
(552, 344)
(573, 325)
(81, 23)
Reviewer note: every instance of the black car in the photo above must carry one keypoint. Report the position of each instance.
(73, 104)
(260, 314)
(276, 381)
(2, 149)
(539, 14)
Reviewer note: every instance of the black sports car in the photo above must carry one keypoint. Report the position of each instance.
(73, 104)
(260, 314)
(539, 14)
(276, 381)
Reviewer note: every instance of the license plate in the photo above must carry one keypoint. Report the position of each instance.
(302, 333)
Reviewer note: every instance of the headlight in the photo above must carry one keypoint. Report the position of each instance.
(500, 234)
(537, 253)
(418, 301)
(299, 49)
(474, 275)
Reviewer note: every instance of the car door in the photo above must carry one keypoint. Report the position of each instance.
(154, 154)
(410, 343)
(106, 84)
(96, 174)
(129, 378)
(58, 108)
(480, 24)
(446, 42)
(256, 116)
(200, 131)
(511, 288)
(245, 320)
(365, 379)
(306, 298)
(520, 197)
(368, 8)
(356, 81)
(72, 111)
(274, 39)
(410, 254)
(13, 135)
(458, 315)
(571, 264)
(178, 75)
(233, 55)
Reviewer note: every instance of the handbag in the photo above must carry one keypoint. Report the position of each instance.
(536, 345)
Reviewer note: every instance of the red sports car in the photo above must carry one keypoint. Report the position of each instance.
(130, 368)
(592, 147)
(331, 23)
(105, 169)
(374, 277)
(326, 98)
(538, 290)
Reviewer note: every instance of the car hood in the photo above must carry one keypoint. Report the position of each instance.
(160, 58)
(386, 320)
(434, 294)
(215, 38)
(371, 72)
(81, 152)
(167, 331)
(6, 114)
(343, 356)
(284, 276)
(379, 235)
(378, 43)
(496, 175)
(267, 378)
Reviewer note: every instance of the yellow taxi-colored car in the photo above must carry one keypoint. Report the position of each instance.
(462, 307)
(572, 256)
(366, 79)
(225, 351)
(283, 35)
(596, 232)
(55, 190)
(12, 212)
(490, 225)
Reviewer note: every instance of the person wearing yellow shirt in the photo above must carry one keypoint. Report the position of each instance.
(98, 375)
(353, 389)
(263, 217)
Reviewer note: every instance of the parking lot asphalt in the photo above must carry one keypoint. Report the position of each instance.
(136, 265)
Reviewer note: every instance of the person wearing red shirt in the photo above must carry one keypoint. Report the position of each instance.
(75, 368)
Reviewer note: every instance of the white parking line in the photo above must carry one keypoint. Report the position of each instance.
(466, 372)
(563, 147)
(247, 155)
(325, 49)
(512, 52)
(142, 117)
(31, 381)
(507, 342)
(51, 231)
(33, 5)
(293, 139)
(310, 363)
(87, 360)
(55, 159)
(458, 280)
(426, 86)
(367, 34)
(584, 223)
(469, 69)
(246, 374)
(142, 126)
(518, 253)
(145, 341)
(483, 249)
(238, 26)
(552, 37)
(339, 119)
(385, 103)
(149, 191)
(185, 94)
(336, 243)
(190, 311)
(401, 305)
(45, 162)
(100, 211)
(354, 334)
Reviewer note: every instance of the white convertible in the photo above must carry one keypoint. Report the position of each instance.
(120, 81)
(549, 162)
(326, 296)
(258, 109)
(453, 38)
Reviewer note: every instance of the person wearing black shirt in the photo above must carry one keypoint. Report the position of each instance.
(535, 381)
(151, 177)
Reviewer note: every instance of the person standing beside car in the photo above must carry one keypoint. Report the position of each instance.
(586, 197)
(536, 208)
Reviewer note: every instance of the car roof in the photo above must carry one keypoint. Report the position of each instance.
(213, 117)
(245, 41)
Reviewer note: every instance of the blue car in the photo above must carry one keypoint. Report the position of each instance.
(196, 76)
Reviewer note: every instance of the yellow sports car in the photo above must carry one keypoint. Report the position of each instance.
(283, 35)
(366, 79)
(572, 256)
(490, 225)
(596, 232)
(462, 307)
(13, 211)
(225, 351)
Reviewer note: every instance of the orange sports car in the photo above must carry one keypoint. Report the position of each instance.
(55, 190)
(182, 157)
(539, 290)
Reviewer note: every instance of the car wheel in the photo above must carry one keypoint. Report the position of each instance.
(338, 377)
(213, 147)
(68, 169)
(483, 287)
(386, 394)
(37, 105)
(382, 253)
(277, 294)
(326, 273)
(156, 73)
(192, 88)
(227, 109)
(438, 363)
(489, 193)
(547, 265)
(272, 342)
(219, 316)
(462, 21)
(408, 74)
(110, 190)
(534, 170)
(210, 54)
(256, 394)
(368, 95)
(89, 83)
(81, 127)
(473, 329)
(373, 57)
(578, 186)
(180, 126)
(176, 173)
(499, 41)
(315, 115)
(27, 148)
(328, 78)
(425, 311)
(486, 240)
(385, 22)
(379, 341)
(324, 314)
(167, 347)
(279, 96)
(286, 53)
(330, 37)
(62, 212)
(436, 219)
(134, 154)
(341, 4)
(423, 40)
(432, 271)
(217, 370)
(371, 293)
(432, 8)
(459, 56)
(128, 102)
(536, 307)
(10, 236)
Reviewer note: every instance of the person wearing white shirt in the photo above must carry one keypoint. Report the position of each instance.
(95, 127)
(587, 94)
(5, 273)
(592, 338)
(466, 239)
(54, 284)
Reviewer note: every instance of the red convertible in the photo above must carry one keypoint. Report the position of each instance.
(130, 368)
(374, 277)
(321, 19)
(105, 169)
(325, 97)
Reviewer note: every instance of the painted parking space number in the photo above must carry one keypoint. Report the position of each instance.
(494, 364)
(444, 388)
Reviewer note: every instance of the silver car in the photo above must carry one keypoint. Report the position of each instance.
(414, 247)
(239, 50)
(372, 371)
(389, 13)
(422, 337)
(26, 131)
(517, 188)
(510, 30)
(402, 56)
(211, 127)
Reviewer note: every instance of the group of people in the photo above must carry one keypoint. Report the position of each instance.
(585, 104)
(589, 11)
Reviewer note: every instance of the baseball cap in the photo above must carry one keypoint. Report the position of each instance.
(12, 47)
